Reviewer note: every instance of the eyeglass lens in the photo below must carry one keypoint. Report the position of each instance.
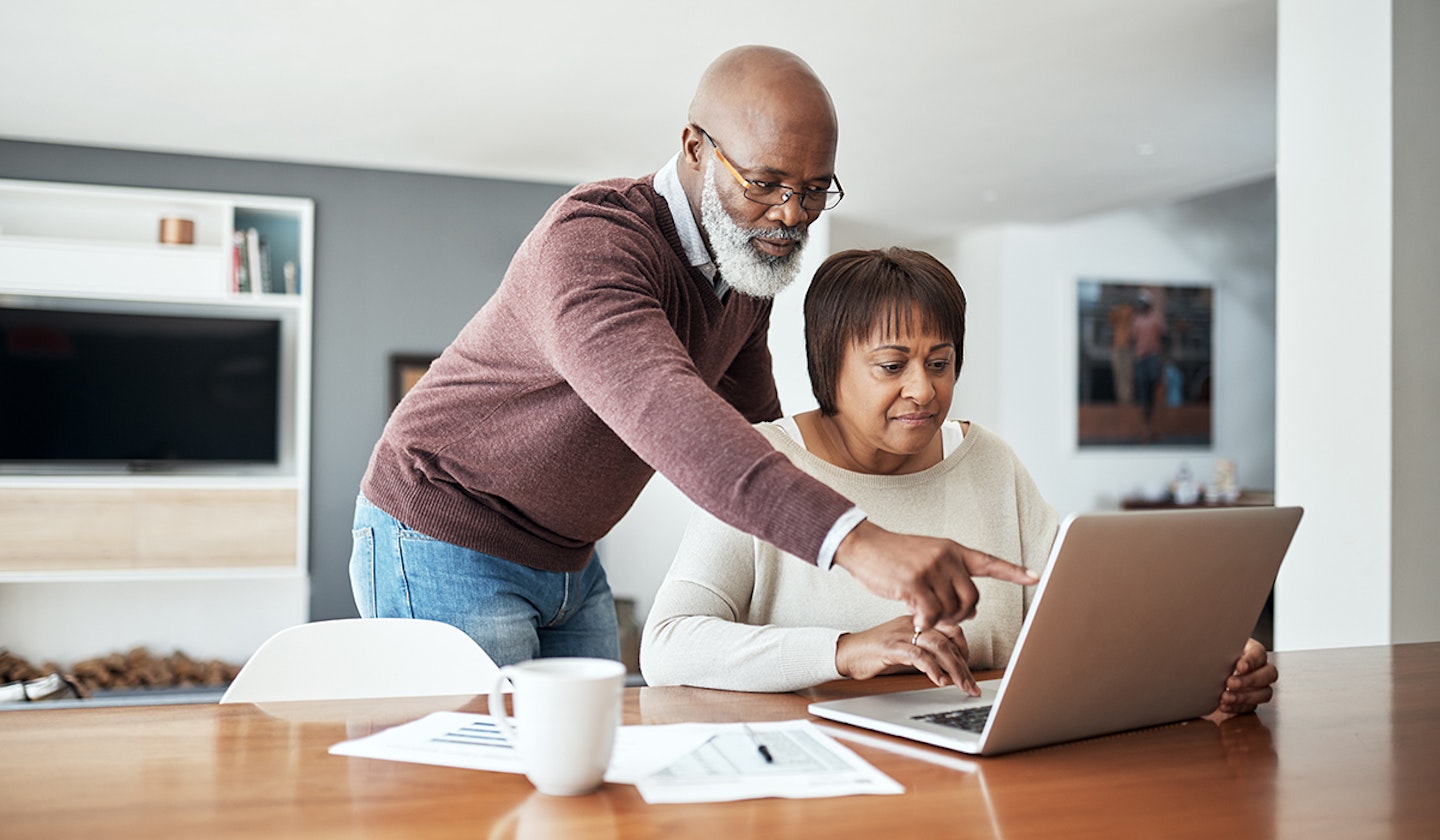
(774, 194)
(777, 194)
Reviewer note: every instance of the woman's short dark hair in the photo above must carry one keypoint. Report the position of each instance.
(855, 292)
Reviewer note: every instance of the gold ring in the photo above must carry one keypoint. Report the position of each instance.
(915, 639)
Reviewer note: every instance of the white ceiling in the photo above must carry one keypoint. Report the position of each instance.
(953, 112)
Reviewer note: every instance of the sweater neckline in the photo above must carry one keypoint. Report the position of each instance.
(819, 466)
(665, 220)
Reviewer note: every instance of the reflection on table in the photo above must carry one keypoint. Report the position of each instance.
(1350, 747)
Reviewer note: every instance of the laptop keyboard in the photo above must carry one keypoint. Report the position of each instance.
(971, 719)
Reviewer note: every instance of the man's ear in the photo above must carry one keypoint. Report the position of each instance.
(692, 148)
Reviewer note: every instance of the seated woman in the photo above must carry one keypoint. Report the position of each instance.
(885, 335)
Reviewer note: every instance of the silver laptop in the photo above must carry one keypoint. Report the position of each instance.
(1137, 621)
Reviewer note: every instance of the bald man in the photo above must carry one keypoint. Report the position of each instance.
(629, 336)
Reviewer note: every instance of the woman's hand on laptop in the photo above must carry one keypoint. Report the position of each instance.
(931, 576)
(1251, 683)
(939, 653)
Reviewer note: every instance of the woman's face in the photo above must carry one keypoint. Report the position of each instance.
(894, 392)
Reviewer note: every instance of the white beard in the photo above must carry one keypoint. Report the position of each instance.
(744, 268)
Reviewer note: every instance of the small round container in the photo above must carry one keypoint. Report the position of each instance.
(177, 231)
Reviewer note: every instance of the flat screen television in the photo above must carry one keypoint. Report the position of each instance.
(137, 391)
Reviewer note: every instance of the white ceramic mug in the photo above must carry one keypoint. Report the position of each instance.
(567, 710)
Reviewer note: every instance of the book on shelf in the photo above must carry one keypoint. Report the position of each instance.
(256, 256)
(240, 277)
(253, 271)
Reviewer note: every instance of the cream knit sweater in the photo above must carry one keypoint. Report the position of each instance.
(736, 613)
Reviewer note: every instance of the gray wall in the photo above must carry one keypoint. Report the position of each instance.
(401, 262)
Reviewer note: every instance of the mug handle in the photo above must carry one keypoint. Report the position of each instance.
(497, 705)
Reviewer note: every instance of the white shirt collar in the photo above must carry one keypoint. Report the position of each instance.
(667, 183)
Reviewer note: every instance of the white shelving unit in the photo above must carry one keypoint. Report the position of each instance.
(97, 249)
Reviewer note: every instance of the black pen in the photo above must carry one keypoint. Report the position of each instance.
(759, 747)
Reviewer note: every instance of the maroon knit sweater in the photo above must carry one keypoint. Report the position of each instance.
(602, 357)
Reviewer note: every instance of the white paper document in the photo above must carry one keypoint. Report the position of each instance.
(474, 742)
(680, 762)
(806, 763)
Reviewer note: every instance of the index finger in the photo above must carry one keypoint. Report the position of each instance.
(980, 564)
(952, 660)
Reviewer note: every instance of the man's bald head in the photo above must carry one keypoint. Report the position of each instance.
(762, 92)
(777, 124)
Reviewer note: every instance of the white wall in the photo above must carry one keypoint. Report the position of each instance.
(1334, 275)
(1359, 384)
(1021, 345)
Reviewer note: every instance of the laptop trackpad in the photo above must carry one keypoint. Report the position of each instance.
(914, 714)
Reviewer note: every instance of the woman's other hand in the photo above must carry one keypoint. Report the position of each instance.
(1251, 684)
(938, 652)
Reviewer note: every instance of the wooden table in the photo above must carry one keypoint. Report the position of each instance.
(1349, 748)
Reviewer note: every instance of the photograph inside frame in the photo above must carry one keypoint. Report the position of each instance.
(1145, 368)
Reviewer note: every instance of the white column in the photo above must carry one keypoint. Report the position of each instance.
(1350, 297)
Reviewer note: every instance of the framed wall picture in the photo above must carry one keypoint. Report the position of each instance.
(405, 370)
(1145, 363)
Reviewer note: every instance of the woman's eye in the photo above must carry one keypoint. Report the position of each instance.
(940, 364)
(892, 367)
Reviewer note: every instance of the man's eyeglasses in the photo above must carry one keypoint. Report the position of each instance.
(769, 193)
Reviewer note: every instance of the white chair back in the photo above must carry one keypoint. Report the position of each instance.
(363, 657)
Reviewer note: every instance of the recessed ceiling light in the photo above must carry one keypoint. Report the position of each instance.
(1145, 149)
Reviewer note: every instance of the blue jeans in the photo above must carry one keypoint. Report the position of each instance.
(1147, 374)
(514, 612)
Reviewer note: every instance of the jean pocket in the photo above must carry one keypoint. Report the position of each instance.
(362, 570)
(407, 534)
